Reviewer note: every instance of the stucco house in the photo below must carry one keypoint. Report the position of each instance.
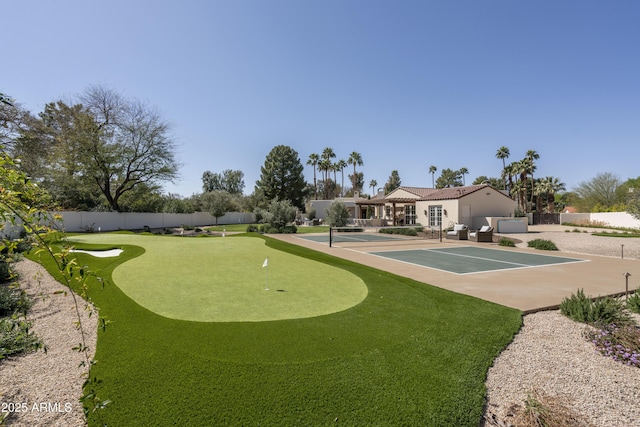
(473, 205)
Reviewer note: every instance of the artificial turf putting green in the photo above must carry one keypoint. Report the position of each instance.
(409, 354)
(223, 279)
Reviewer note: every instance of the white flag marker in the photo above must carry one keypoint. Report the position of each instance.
(266, 264)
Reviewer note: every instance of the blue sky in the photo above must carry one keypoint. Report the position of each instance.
(408, 84)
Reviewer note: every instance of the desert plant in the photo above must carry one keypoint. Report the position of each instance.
(545, 245)
(6, 274)
(505, 241)
(13, 300)
(545, 411)
(633, 302)
(16, 337)
(598, 311)
(619, 342)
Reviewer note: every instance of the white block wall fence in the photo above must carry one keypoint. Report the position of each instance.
(109, 221)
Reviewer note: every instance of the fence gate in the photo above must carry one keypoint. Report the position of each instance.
(546, 218)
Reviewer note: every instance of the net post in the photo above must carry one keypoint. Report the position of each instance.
(330, 236)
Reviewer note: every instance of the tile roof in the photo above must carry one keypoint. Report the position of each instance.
(453, 193)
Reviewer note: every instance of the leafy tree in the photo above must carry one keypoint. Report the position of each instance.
(393, 182)
(12, 119)
(633, 202)
(217, 203)
(600, 190)
(282, 177)
(337, 214)
(449, 178)
(131, 145)
(105, 143)
(55, 151)
(355, 159)
(279, 214)
(231, 181)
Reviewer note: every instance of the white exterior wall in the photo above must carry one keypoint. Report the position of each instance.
(321, 206)
(613, 219)
(109, 221)
(485, 203)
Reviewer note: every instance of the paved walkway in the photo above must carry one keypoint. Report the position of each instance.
(528, 289)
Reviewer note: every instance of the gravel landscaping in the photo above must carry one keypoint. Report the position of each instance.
(551, 357)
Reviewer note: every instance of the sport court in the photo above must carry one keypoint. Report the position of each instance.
(523, 286)
(469, 260)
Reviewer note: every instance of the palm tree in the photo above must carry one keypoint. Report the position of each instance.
(324, 166)
(523, 167)
(313, 161)
(516, 192)
(532, 155)
(503, 153)
(340, 165)
(432, 171)
(355, 159)
(463, 171)
(327, 166)
(507, 174)
(551, 185)
(373, 184)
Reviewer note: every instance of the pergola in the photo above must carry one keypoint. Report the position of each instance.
(381, 201)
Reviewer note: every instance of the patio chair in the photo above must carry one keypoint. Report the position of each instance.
(485, 234)
(459, 232)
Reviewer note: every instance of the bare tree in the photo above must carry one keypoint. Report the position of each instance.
(131, 144)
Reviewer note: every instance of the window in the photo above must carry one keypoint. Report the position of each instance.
(410, 214)
(435, 216)
(387, 210)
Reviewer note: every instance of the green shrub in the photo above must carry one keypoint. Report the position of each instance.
(252, 228)
(633, 302)
(268, 229)
(337, 214)
(545, 245)
(13, 300)
(289, 229)
(6, 274)
(16, 337)
(187, 227)
(505, 241)
(400, 230)
(598, 311)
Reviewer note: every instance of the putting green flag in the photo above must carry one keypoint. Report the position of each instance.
(266, 262)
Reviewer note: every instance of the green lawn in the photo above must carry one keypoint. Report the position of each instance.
(408, 354)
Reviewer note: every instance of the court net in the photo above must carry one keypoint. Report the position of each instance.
(379, 234)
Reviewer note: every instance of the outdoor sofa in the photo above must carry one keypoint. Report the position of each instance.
(485, 234)
(459, 232)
